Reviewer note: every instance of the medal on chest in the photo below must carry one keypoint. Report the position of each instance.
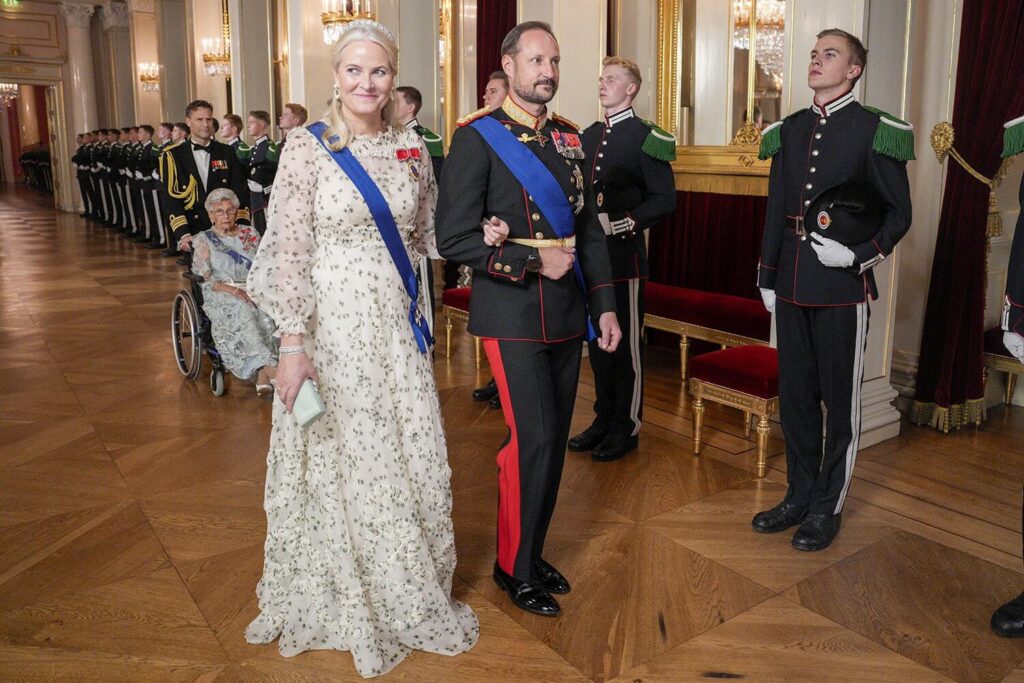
(411, 157)
(218, 164)
(568, 145)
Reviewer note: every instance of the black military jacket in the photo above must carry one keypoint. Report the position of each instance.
(617, 143)
(133, 151)
(81, 159)
(146, 164)
(262, 160)
(507, 301)
(114, 161)
(186, 193)
(434, 144)
(823, 147)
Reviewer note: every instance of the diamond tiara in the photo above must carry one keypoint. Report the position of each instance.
(369, 24)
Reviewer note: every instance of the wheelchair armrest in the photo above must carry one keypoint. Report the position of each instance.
(198, 279)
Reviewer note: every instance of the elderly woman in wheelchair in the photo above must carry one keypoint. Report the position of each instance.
(222, 256)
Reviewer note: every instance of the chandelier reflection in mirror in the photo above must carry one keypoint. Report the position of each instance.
(8, 93)
(771, 37)
(337, 13)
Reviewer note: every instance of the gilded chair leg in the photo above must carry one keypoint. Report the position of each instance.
(476, 349)
(763, 427)
(746, 424)
(1011, 386)
(447, 335)
(698, 424)
(684, 355)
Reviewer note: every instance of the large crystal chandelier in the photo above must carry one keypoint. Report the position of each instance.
(8, 93)
(149, 75)
(217, 51)
(771, 35)
(337, 13)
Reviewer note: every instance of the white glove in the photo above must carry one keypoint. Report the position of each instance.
(605, 223)
(768, 297)
(255, 187)
(1014, 343)
(623, 225)
(831, 253)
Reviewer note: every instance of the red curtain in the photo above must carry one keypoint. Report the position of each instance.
(950, 383)
(712, 242)
(494, 19)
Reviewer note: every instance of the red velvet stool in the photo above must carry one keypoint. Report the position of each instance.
(455, 304)
(999, 359)
(744, 377)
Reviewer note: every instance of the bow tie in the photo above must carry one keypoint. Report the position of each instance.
(201, 148)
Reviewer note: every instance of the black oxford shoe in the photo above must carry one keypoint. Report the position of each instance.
(531, 597)
(588, 439)
(486, 392)
(817, 532)
(495, 402)
(1008, 620)
(614, 447)
(551, 578)
(779, 518)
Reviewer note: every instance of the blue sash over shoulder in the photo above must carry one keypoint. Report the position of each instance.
(540, 184)
(388, 229)
(219, 245)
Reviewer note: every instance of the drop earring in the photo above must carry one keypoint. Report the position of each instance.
(337, 92)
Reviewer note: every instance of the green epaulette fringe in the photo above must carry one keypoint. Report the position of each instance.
(1013, 137)
(771, 141)
(659, 144)
(435, 146)
(243, 152)
(893, 137)
(273, 151)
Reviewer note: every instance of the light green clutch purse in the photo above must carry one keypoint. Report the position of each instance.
(308, 406)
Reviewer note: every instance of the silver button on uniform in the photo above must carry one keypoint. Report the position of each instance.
(817, 136)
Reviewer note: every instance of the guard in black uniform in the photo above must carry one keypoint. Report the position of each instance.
(528, 304)
(1008, 620)
(628, 165)
(134, 182)
(192, 169)
(838, 202)
(260, 161)
(80, 164)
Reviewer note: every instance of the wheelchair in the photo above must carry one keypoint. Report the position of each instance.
(191, 335)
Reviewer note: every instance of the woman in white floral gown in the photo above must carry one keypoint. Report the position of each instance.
(360, 551)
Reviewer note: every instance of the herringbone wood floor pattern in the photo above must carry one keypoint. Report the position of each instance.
(131, 521)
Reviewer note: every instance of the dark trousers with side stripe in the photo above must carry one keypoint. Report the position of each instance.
(619, 376)
(537, 384)
(821, 362)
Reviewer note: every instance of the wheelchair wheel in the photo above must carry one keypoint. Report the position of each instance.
(217, 385)
(186, 334)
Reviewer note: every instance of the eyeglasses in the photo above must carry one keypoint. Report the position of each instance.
(220, 213)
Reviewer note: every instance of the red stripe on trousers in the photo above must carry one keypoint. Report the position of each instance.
(508, 469)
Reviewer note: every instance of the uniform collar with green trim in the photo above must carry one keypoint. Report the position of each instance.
(413, 124)
(259, 140)
(835, 105)
(626, 113)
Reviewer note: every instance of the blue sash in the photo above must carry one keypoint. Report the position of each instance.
(388, 231)
(540, 184)
(225, 249)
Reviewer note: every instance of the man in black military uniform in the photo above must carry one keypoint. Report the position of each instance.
(260, 161)
(134, 182)
(195, 167)
(112, 168)
(80, 164)
(838, 202)
(408, 102)
(628, 165)
(230, 130)
(530, 296)
(1008, 620)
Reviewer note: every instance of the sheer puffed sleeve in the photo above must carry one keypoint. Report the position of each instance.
(279, 280)
(201, 265)
(424, 240)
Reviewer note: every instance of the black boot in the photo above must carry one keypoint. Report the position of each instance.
(588, 439)
(1008, 620)
(486, 392)
(817, 532)
(613, 447)
(532, 597)
(779, 518)
(551, 578)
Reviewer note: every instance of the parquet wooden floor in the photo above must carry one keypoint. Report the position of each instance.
(131, 521)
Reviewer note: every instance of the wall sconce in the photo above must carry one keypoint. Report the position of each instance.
(337, 13)
(8, 93)
(217, 51)
(149, 75)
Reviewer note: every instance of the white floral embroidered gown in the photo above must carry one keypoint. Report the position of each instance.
(360, 550)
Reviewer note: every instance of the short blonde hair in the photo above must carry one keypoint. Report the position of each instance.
(629, 65)
(375, 33)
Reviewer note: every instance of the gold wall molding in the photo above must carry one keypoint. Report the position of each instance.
(669, 49)
(725, 169)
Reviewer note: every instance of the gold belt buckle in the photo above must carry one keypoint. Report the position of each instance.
(559, 242)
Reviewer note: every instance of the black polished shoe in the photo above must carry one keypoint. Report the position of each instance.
(486, 392)
(817, 532)
(588, 439)
(182, 261)
(1008, 620)
(614, 447)
(153, 245)
(170, 253)
(551, 578)
(495, 402)
(779, 518)
(531, 597)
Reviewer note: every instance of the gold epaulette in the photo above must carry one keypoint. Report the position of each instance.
(470, 118)
(558, 118)
(171, 146)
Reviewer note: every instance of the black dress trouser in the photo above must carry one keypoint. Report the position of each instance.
(821, 362)
(619, 376)
(537, 384)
